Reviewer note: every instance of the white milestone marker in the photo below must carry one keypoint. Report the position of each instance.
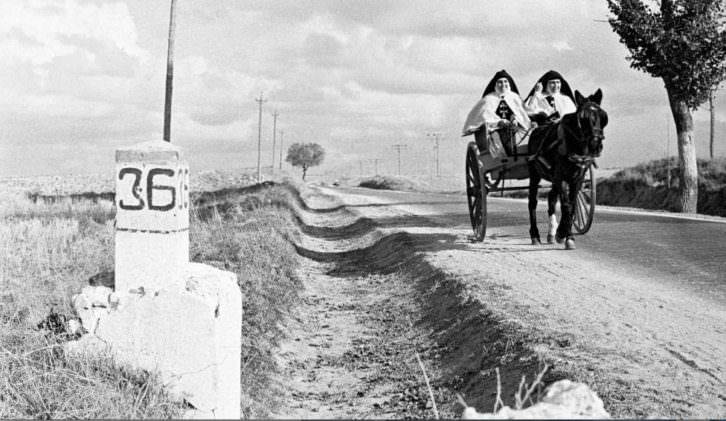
(152, 216)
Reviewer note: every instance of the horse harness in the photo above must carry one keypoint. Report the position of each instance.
(581, 161)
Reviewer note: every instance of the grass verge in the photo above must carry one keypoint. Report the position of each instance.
(50, 248)
(654, 185)
(248, 235)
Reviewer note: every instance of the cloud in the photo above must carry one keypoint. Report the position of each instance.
(356, 76)
(561, 46)
(322, 50)
(67, 70)
(106, 58)
(218, 116)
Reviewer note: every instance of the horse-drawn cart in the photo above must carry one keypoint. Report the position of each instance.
(486, 173)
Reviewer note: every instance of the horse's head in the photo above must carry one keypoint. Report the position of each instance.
(592, 120)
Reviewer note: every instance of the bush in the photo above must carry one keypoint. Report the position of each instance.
(646, 186)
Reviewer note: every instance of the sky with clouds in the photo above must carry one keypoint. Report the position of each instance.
(80, 78)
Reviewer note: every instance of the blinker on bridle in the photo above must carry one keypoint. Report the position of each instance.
(596, 134)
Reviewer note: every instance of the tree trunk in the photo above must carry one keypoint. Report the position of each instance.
(305, 170)
(687, 164)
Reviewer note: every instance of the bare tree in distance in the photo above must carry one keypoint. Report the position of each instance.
(169, 72)
(684, 43)
(305, 155)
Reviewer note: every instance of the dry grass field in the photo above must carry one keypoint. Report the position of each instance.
(50, 248)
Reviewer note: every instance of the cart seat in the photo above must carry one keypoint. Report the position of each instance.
(483, 144)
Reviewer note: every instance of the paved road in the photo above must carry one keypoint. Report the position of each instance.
(687, 253)
(642, 297)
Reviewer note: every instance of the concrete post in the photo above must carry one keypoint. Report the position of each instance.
(152, 216)
(167, 315)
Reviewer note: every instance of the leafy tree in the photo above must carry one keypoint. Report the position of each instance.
(305, 155)
(684, 43)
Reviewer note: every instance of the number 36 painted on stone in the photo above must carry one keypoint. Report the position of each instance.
(138, 201)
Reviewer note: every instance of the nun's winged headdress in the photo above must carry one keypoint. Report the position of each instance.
(564, 86)
(500, 74)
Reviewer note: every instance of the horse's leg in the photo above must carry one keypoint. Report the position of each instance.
(534, 179)
(567, 200)
(551, 203)
(565, 210)
(574, 188)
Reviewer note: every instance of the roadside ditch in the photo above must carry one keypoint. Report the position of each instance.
(370, 307)
(343, 319)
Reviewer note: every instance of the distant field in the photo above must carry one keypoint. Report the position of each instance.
(428, 183)
(97, 183)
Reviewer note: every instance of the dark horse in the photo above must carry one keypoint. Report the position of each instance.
(562, 153)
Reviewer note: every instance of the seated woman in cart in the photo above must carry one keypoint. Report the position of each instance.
(549, 99)
(500, 115)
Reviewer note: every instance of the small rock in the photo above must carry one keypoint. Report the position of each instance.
(90, 317)
(80, 302)
(564, 399)
(97, 295)
(75, 327)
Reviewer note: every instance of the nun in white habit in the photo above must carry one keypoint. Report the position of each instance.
(550, 98)
(500, 106)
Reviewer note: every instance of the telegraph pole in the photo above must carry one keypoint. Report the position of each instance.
(169, 72)
(398, 149)
(274, 131)
(668, 153)
(713, 120)
(259, 100)
(281, 133)
(437, 137)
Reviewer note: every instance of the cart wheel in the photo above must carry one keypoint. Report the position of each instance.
(585, 204)
(476, 193)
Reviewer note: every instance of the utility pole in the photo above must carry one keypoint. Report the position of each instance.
(713, 120)
(274, 131)
(169, 72)
(668, 154)
(437, 137)
(281, 133)
(398, 148)
(259, 100)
